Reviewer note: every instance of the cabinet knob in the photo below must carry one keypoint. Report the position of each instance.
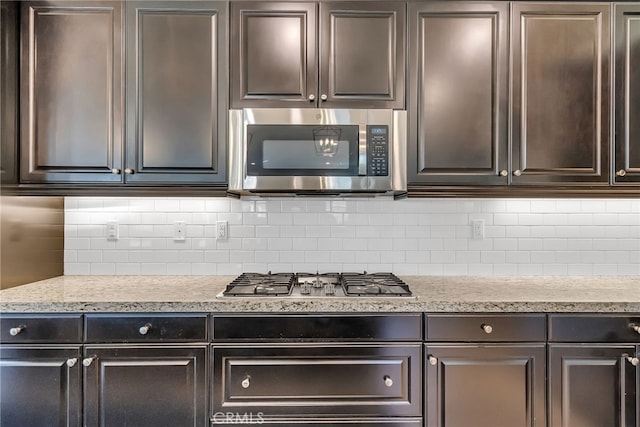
(15, 331)
(388, 381)
(312, 97)
(635, 327)
(323, 97)
(115, 171)
(517, 172)
(633, 360)
(72, 362)
(621, 172)
(432, 360)
(487, 328)
(87, 361)
(144, 330)
(246, 382)
(504, 172)
(129, 171)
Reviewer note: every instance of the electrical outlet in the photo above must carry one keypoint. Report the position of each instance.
(113, 233)
(179, 231)
(477, 229)
(222, 230)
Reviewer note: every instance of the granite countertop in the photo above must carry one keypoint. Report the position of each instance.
(431, 294)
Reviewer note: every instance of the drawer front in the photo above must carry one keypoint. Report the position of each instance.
(41, 328)
(146, 328)
(341, 327)
(490, 328)
(594, 328)
(318, 380)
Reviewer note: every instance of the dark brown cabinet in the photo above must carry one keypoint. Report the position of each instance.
(74, 95)
(40, 370)
(176, 92)
(485, 371)
(459, 98)
(594, 378)
(71, 91)
(9, 72)
(627, 93)
(560, 106)
(138, 385)
(331, 54)
(145, 370)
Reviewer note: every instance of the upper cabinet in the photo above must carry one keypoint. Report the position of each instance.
(627, 90)
(176, 92)
(74, 95)
(458, 102)
(71, 91)
(9, 62)
(334, 55)
(561, 105)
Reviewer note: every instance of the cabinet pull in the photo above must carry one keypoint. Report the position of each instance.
(144, 330)
(635, 327)
(621, 172)
(517, 172)
(633, 360)
(504, 172)
(89, 360)
(72, 362)
(388, 381)
(312, 97)
(486, 328)
(129, 171)
(323, 97)
(432, 360)
(246, 382)
(115, 171)
(15, 331)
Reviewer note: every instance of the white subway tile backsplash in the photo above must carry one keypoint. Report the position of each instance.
(411, 236)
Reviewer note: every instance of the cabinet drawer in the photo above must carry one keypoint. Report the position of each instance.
(145, 328)
(247, 420)
(594, 328)
(41, 328)
(312, 380)
(520, 328)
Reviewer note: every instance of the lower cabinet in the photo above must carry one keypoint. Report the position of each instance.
(594, 371)
(145, 386)
(40, 386)
(491, 374)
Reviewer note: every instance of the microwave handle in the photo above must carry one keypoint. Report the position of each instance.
(362, 150)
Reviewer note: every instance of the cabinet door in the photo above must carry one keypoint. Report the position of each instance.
(71, 91)
(561, 61)
(485, 386)
(9, 61)
(362, 54)
(273, 54)
(40, 386)
(458, 102)
(145, 386)
(592, 386)
(627, 90)
(176, 91)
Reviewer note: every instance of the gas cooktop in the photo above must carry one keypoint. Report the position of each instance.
(317, 285)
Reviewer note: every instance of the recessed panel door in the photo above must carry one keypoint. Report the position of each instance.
(176, 92)
(71, 92)
(561, 61)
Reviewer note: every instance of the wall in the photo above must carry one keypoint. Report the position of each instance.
(409, 237)
(32, 239)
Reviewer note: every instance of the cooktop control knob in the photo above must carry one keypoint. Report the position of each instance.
(329, 289)
(305, 288)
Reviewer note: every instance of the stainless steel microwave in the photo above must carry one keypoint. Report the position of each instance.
(287, 151)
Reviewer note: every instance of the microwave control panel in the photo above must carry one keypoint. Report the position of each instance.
(377, 150)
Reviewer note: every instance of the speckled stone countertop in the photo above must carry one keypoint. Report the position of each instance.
(431, 294)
